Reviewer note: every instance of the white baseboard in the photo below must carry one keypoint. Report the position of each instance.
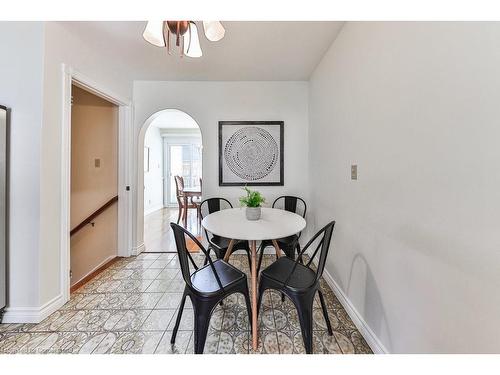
(32, 314)
(95, 268)
(138, 249)
(370, 337)
(152, 209)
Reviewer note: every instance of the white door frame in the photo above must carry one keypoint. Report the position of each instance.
(71, 76)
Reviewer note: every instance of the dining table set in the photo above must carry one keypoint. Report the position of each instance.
(295, 273)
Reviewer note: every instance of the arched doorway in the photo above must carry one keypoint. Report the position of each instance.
(170, 144)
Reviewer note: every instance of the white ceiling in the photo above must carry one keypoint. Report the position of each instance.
(173, 119)
(250, 51)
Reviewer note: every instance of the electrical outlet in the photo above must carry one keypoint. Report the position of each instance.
(97, 163)
(354, 172)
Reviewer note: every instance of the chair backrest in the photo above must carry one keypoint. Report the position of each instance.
(211, 205)
(184, 255)
(292, 204)
(179, 185)
(322, 240)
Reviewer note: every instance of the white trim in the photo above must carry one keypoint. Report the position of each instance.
(136, 250)
(65, 184)
(189, 133)
(153, 209)
(124, 196)
(95, 88)
(33, 314)
(111, 257)
(371, 338)
(69, 77)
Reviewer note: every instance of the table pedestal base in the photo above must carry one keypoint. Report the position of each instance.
(253, 271)
(253, 249)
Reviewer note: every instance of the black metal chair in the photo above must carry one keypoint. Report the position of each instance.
(206, 286)
(300, 283)
(291, 243)
(219, 244)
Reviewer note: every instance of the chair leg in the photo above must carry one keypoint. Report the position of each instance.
(325, 312)
(304, 306)
(249, 260)
(262, 289)
(298, 252)
(261, 249)
(202, 313)
(180, 214)
(205, 262)
(179, 316)
(249, 304)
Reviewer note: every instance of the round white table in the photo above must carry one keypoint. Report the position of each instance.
(273, 224)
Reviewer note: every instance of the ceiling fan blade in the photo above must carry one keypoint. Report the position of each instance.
(153, 33)
(214, 31)
(192, 46)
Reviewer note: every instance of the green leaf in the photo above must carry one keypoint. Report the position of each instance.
(252, 199)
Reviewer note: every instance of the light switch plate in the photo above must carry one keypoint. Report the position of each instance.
(354, 172)
(97, 163)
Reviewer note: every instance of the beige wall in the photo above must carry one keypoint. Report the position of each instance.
(94, 135)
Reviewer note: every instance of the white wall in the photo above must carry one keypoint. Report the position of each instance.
(153, 180)
(21, 79)
(95, 61)
(211, 102)
(416, 245)
(31, 61)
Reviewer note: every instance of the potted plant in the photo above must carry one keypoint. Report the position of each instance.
(252, 201)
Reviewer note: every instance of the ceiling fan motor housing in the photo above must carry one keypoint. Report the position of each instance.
(178, 27)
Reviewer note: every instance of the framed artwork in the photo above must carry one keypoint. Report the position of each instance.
(146, 159)
(251, 153)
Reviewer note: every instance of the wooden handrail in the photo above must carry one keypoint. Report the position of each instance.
(92, 216)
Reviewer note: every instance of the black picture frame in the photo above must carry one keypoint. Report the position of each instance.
(281, 124)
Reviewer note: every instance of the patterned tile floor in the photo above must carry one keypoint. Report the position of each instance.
(131, 308)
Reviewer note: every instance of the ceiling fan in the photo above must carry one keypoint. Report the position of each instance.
(183, 33)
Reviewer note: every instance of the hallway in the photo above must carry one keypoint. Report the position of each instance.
(158, 236)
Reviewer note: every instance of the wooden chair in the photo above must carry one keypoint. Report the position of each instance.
(197, 202)
(179, 192)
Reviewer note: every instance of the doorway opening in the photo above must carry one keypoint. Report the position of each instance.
(93, 185)
(172, 148)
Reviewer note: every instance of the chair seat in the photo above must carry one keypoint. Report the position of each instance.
(223, 243)
(204, 279)
(287, 240)
(282, 242)
(302, 278)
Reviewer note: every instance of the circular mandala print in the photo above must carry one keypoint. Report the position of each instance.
(251, 153)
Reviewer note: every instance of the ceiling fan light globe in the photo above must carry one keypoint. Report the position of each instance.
(192, 46)
(214, 31)
(153, 33)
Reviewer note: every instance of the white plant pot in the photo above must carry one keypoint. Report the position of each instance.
(253, 213)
